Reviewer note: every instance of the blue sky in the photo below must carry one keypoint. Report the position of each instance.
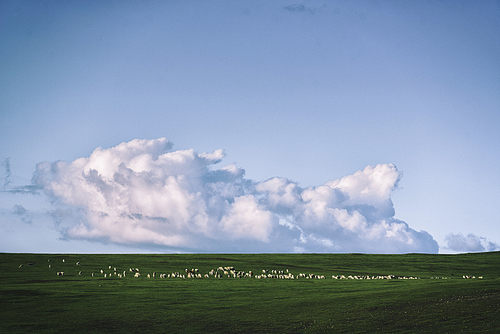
(311, 91)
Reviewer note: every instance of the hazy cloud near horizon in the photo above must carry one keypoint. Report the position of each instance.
(143, 193)
(470, 243)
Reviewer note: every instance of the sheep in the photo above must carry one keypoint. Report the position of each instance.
(79, 273)
(60, 273)
(63, 260)
(78, 263)
(20, 266)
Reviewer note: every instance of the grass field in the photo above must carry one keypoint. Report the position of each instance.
(34, 299)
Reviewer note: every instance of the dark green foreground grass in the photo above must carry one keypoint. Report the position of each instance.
(34, 300)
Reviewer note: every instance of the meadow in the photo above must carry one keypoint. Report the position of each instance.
(33, 298)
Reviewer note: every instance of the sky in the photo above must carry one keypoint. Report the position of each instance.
(249, 126)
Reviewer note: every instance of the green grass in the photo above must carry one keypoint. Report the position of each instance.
(34, 299)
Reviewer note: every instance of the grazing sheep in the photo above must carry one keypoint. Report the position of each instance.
(20, 266)
(78, 263)
(60, 273)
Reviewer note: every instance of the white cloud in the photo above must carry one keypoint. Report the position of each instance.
(143, 193)
(247, 219)
(470, 243)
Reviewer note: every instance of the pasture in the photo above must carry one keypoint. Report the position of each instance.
(33, 298)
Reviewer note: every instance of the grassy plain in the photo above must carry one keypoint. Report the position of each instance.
(34, 299)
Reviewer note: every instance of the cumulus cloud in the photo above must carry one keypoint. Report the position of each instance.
(470, 243)
(144, 193)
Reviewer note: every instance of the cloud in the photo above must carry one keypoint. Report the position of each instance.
(144, 193)
(7, 174)
(301, 8)
(8, 186)
(20, 211)
(470, 243)
(27, 189)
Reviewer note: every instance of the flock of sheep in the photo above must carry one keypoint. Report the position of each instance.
(231, 272)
